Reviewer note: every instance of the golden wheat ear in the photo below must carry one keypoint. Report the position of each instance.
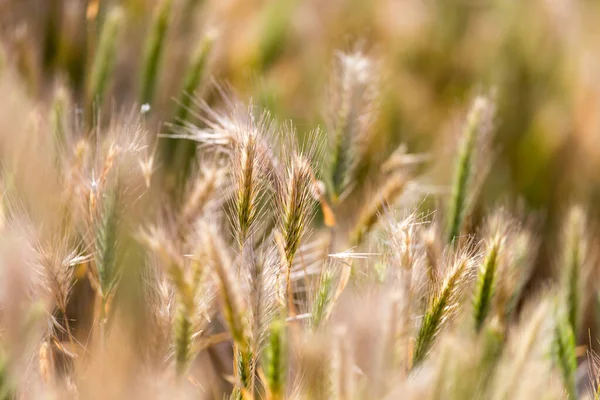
(353, 94)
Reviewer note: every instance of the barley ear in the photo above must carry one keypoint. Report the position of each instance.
(275, 369)
(297, 205)
(106, 244)
(464, 166)
(440, 309)
(323, 298)
(486, 282)
(249, 179)
(296, 209)
(154, 52)
(354, 93)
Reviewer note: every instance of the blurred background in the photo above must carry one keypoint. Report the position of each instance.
(540, 58)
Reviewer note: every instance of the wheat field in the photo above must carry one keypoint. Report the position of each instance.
(297, 199)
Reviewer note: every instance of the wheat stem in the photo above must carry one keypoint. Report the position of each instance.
(183, 151)
(104, 61)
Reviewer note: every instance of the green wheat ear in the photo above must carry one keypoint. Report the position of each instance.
(182, 151)
(440, 308)
(275, 371)
(106, 244)
(104, 60)
(154, 52)
(464, 165)
(486, 283)
(323, 299)
(183, 332)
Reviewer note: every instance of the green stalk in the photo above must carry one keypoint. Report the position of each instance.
(182, 152)
(183, 340)
(104, 60)
(154, 52)
(275, 363)
(245, 371)
(51, 46)
(564, 356)
(276, 24)
(573, 259)
(493, 337)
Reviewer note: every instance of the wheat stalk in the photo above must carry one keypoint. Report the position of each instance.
(154, 50)
(104, 60)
